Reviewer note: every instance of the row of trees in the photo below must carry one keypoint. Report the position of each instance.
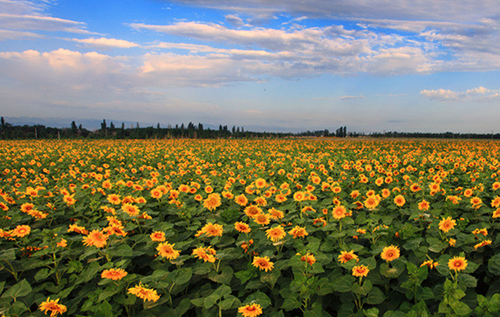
(110, 131)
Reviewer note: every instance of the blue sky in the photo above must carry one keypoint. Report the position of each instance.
(274, 65)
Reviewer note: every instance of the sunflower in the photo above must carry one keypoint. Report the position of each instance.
(360, 271)
(211, 230)
(276, 214)
(242, 227)
(496, 213)
(263, 263)
(78, 229)
(241, 200)
(262, 219)
(260, 183)
(430, 264)
(212, 202)
(114, 274)
(280, 198)
(390, 253)
(423, 205)
(114, 199)
(131, 210)
(53, 306)
(339, 212)
(399, 200)
(167, 250)
(95, 238)
(21, 231)
(482, 244)
(252, 211)
(251, 310)
(447, 224)
(207, 254)
(457, 263)
(309, 258)
(345, 256)
(298, 231)
(275, 234)
(144, 293)
(371, 202)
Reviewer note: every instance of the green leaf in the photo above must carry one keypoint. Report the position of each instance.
(104, 310)
(259, 298)
(494, 264)
(244, 275)
(460, 308)
(436, 245)
(372, 312)
(224, 277)
(344, 284)
(375, 297)
(42, 275)
(468, 280)
(8, 255)
(2, 284)
(198, 302)
(211, 300)
(20, 289)
(182, 276)
(362, 290)
(291, 303)
(230, 302)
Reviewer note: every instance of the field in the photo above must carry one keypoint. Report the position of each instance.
(246, 228)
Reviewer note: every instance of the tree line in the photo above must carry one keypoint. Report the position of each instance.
(111, 131)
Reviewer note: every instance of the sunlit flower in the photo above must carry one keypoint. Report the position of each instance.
(298, 231)
(263, 263)
(207, 254)
(167, 250)
(252, 211)
(457, 263)
(360, 271)
(275, 234)
(114, 199)
(345, 256)
(262, 219)
(211, 230)
(212, 202)
(423, 205)
(390, 253)
(399, 200)
(241, 200)
(63, 243)
(447, 224)
(309, 258)
(53, 307)
(114, 274)
(430, 264)
(251, 310)
(95, 238)
(242, 227)
(144, 293)
(482, 244)
(21, 231)
(339, 212)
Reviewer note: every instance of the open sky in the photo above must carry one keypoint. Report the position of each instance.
(265, 65)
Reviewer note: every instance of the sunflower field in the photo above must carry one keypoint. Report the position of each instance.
(321, 227)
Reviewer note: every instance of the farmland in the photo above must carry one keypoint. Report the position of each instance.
(322, 227)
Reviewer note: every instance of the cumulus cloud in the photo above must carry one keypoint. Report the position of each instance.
(476, 94)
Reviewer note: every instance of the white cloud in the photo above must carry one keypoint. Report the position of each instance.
(105, 43)
(475, 94)
(16, 35)
(42, 23)
(349, 97)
